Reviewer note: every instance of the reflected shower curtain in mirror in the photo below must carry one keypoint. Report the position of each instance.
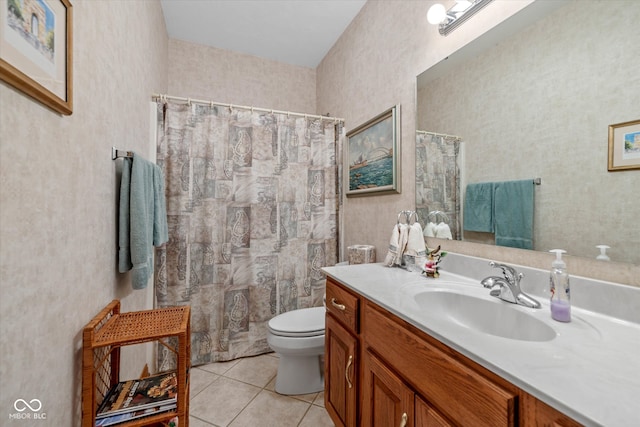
(438, 179)
(252, 206)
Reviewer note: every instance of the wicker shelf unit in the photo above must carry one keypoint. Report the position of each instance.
(110, 330)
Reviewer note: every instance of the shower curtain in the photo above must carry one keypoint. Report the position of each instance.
(253, 200)
(438, 178)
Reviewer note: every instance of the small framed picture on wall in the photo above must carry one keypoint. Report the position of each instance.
(624, 146)
(36, 50)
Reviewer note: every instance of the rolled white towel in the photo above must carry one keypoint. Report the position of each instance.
(429, 230)
(443, 231)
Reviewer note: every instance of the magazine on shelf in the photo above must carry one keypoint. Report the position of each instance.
(133, 395)
(138, 413)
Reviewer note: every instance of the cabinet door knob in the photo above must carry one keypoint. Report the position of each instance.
(346, 371)
(403, 422)
(336, 305)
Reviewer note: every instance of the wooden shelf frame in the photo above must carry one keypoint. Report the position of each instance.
(110, 330)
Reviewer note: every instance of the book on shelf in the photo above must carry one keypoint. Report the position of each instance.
(138, 413)
(133, 395)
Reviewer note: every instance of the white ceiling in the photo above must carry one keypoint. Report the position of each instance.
(298, 32)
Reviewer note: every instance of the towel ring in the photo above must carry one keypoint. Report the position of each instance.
(411, 214)
(407, 216)
(439, 215)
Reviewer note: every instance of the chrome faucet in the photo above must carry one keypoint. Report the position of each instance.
(509, 286)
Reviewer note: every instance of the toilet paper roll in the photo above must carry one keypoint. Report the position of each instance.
(361, 254)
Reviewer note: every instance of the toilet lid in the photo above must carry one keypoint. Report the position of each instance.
(305, 322)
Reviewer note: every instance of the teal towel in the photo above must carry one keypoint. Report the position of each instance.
(143, 218)
(478, 207)
(513, 213)
(124, 253)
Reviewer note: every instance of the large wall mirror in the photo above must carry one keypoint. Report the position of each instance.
(534, 98)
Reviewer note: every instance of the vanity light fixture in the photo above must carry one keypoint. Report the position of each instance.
(449, 20)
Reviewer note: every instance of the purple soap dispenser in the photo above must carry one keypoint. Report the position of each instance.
(559, 285)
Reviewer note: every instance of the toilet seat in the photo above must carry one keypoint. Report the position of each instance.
(305, 322)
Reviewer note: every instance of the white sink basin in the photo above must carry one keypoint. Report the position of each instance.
(490, 316)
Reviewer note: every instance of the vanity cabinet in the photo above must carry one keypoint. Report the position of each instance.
(459, 392)
(387, 400)
(539, 414)
(426, 416)
(341, 356)
(382, 371)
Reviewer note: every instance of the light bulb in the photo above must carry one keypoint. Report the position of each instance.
(436, 14)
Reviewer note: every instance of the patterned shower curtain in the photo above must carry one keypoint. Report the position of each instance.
(438, 179)
(253, 200)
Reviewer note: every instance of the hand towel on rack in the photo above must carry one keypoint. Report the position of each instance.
(429, 230)
(143, 218)
(124, 251)
(478, 207)
(513, 214)
(415, 241)
(397, 245)
(443, 231)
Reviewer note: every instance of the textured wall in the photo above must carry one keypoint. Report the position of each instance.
(58, 204)
(538, 105)
(220, 75)
(373, 66)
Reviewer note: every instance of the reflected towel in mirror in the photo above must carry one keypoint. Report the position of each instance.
(443, 231)
(478, 207)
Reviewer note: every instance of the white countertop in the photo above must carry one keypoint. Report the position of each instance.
(590, 371)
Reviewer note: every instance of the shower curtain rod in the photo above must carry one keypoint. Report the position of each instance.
(444, 135)
(189, 101)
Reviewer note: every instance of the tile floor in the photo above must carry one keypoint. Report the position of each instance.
(241, 393)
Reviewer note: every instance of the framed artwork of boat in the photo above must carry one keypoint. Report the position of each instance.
(373, 156)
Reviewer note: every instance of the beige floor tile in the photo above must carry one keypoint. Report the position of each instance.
(222, 400)
(319, 401)
(198, 380)
(219, 367)
(270, 409)
(257, 370)
(194, 422)
(316, 417)
(272, 385)
(305, 397)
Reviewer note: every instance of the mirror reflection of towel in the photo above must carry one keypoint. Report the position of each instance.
(478, 207)
(443, 231)
(513, 214)
(430, 230)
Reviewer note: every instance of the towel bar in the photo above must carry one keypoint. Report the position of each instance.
(115, 153)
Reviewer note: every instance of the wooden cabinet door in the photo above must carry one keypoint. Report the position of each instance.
(386, 400)
(457, 389)
(539, 414)
(426, 416)
(340, 373)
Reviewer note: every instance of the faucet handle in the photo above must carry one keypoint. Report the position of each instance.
(509, 272)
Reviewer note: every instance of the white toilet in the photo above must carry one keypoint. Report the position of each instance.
(298, 338)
